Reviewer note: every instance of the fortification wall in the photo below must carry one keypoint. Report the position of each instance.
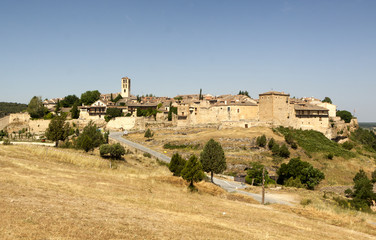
(121, 123)
(38, 126)
(19, 117)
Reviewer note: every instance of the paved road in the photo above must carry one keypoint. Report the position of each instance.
(32, 143)
(227, 185)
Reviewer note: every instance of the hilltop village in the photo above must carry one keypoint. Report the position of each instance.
(271, 109)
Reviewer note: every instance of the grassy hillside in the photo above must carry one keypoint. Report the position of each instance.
(48, 193)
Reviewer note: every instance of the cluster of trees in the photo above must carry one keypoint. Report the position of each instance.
(36, 108)
(147, 112)
(299, 173)
(365, 137)
(212, 160)
(277, 150)
(362, 196)
(245, 93)
(8, 107)
(345, 115)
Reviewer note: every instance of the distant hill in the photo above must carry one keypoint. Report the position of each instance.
(7, 107)
(367, 125)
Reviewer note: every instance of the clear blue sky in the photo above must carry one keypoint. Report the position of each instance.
(306, 48)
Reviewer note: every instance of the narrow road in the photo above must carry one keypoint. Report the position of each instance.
(229, 186)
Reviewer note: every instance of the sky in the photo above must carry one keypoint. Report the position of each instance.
(315, 48)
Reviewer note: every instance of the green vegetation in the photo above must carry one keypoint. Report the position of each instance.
(327, 100)
(181, 146)
(75, 112)
(345, 115)
(113, 113)
(118, 97)
(148, 134)
(213, 158)
(365, 137)
(69, 100)
(58, 129)
(362, 195)
(261, 141)
(89, 97)
(192, 171)
(114, 151)
(36, 108)
(171, 111)
(299, 171)
(245, 93)
(7, 107)
(147, 112)
(177, 164)
(315, 142)
(271, 143)
(254, 175)
(90, 138)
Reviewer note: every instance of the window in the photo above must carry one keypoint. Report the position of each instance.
(238, 110)
(228, 109)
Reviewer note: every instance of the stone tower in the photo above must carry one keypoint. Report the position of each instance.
(125, 87)
(274, 108)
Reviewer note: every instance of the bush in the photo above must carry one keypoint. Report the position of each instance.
(305, 201)
(284, 151)
(6, 142)
(348, 145)
(181, 146)
(192, 171)
(330, 156)
(294, 182)
(294, 145)
(275, 149)
(271, 143)
(148, 134)
(299, 170)
(261, 141)
(115, 151)
(148, 155)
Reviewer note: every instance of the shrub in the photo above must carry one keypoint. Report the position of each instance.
(373, 176)
(348, 145)
(305, 201)
(148, 155)
(294, 145)
(284, 151)
(330, 156)
(294, 182)
(275, 149)
(148, 134)
(289, 139)
(6, 142)
(271, 143)
(261, 141)
(181, 146)
(115, 151)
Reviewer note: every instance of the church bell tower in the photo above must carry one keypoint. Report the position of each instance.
(125, 87)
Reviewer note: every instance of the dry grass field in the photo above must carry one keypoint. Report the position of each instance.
(48, 193)
(238, 142)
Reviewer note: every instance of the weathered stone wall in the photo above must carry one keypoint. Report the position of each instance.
(121, 123)
(4, 122)
(38, 126)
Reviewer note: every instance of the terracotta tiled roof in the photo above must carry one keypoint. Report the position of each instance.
(309, 107)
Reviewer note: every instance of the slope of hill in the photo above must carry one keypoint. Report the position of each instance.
(56, 193)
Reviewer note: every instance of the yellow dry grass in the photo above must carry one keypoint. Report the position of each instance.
(48, 193)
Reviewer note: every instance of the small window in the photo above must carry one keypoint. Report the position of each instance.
(238, 110)
(246, 126)
(228, 109)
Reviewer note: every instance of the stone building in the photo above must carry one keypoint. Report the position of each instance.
(125, 87)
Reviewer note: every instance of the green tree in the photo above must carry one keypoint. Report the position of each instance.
(113, 113)
(327, 100)
(148, 134)
(69, 100)
(177, 164)
(58, 107)
(36, 108)
(192, 171)
(261, 141)
(363, 192)
(173, 110)
(213, 158)
(345, 115)
(89, 97)
(254, 174)
(90, 138)
(58, 129)
(75, 112)
(297, 169)
(275, 149)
